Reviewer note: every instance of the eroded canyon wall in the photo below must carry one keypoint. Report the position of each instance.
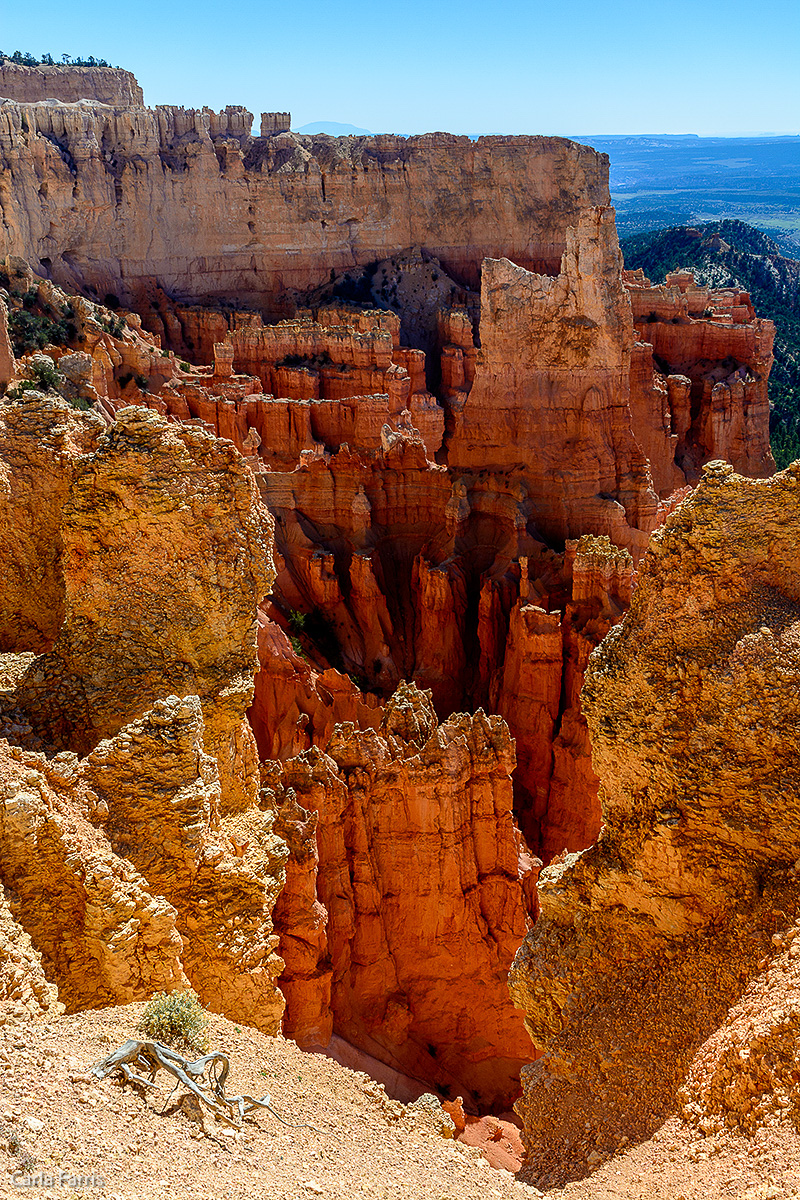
(647, 938)
(106, 85)
(150, 495)
(426, 889)
(469, 517)
(132, 846)
(123, 199)
(405, 567)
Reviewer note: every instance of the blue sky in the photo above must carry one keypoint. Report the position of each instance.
(564, 67)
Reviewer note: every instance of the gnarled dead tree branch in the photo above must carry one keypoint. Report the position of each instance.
(205, 1077)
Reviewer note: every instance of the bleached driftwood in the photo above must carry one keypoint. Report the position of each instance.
(205, 1077)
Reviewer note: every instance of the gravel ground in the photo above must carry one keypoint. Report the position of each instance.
(53, 1119)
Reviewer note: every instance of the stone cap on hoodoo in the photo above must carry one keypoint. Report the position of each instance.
(275, 122)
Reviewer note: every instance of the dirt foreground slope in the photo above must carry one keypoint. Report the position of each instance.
(376, 1147)
(372, 1146)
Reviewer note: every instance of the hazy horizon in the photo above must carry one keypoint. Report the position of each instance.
(519, 67)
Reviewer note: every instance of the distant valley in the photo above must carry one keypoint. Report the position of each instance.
(679, 180)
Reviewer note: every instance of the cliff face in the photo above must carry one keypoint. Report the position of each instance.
(439, 571)
(105, 85)
(102, 935)
(133, 850)
(716, 355)
(148, 497)
(553, 375)
(647, 938)
(42, 444)
(24, 990)
(468, 516)
(426, 889)
(81, 187)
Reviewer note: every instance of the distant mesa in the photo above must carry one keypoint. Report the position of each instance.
(68, 82)
(334, 128)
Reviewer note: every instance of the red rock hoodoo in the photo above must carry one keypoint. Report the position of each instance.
(466, 420)
(427, 890)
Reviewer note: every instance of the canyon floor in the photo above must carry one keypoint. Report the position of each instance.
(362, 1143)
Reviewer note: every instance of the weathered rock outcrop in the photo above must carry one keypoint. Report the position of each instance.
(709, 398)
(337, 380)
(104, 938)
(296, 705)
(106, 360)
(428, 891)
(42, 442)
(539, 690)
(129, 882)
(172, 512)
(647, 938)
(434, 593)
(296, 207)
(145, 864)
(156, 793)
(462, 596)
(7, 361)
(105, 85)
(404, 567)
(551, 393)
(745, 1076)
(24, 990)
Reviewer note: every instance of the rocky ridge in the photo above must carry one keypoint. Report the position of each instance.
(653, 934)
(68, 84)
(128, 761)
(296, 206)
(407, 582)
(468, 516)
(400, 919)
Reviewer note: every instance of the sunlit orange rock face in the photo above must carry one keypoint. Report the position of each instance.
(427, 890)
(467, 580)
(417, 570)
(146, 187)
(132, 847)
(550, 400)
(714, 355)
(651, 937)
(462, 484)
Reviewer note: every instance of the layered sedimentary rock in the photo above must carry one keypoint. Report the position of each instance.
(145, 863)
(157, 795)
(296, 705)
(7, 362)
(554, 371)
(407, 568)
(280, 391)
(103, 937)
(81, 185)
(713, 356)
(745, 1076)
(106, 85)
(43, 443)
(647, 938)
(427, 889)
(462, 595)
(434, 592)
(539, 690)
